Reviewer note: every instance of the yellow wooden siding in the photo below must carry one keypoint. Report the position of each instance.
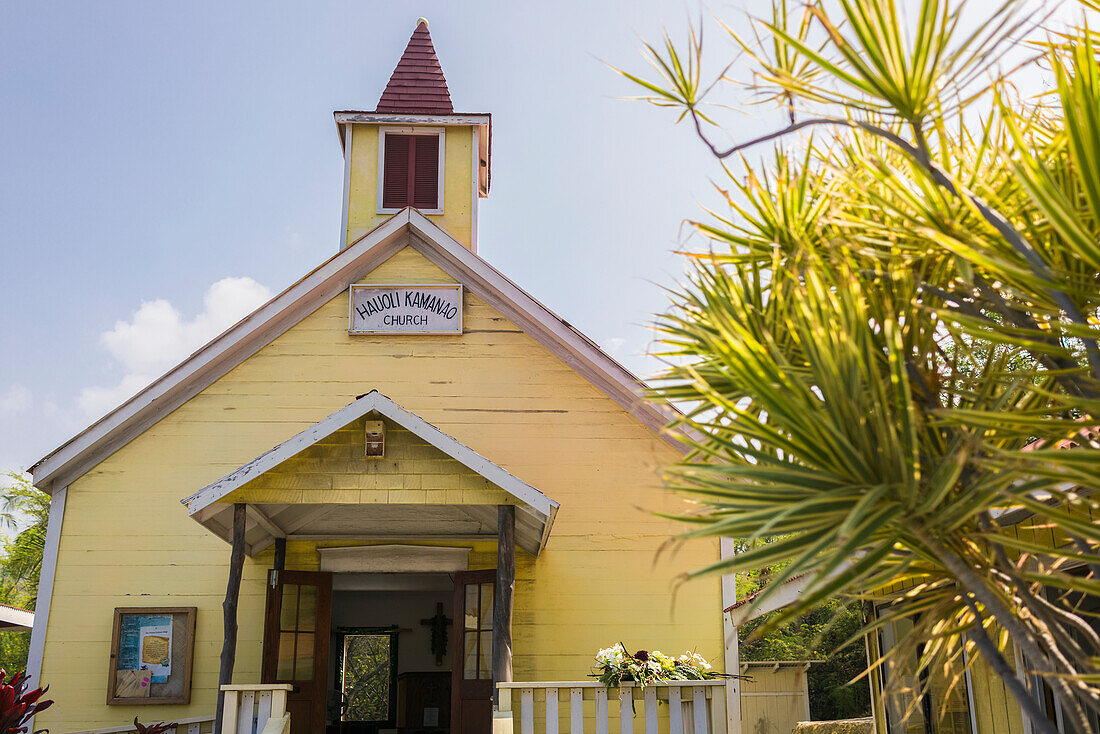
(335, 470)
(1032, 530)
(770, 701)
(458, 181)
(996, 711)
(128, 542)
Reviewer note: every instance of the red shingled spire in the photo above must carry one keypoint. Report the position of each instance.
(417, 84)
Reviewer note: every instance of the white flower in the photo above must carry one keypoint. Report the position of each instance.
(610, 656)
(695, 660)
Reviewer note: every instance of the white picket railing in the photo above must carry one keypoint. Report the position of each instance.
(691, 706)
(258, 708)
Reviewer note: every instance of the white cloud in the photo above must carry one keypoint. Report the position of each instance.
(158, 336)
(15, 400)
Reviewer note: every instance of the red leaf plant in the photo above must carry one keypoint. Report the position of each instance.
(17, 704)
(151, 728)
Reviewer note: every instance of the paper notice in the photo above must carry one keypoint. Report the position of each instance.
(156, 650)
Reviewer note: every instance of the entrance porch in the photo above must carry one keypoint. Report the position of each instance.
(391, 614)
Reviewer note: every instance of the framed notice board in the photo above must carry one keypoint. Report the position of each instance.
(151, 653)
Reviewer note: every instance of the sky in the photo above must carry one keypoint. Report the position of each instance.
(166, 167)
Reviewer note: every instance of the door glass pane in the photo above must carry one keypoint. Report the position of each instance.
(366, 677)
(307, 607)
(949, 701)
(903, 707)
(485, 668)
(285, 667)
(471, 606)
(469, 666)
(288, 615)
(486, 607)
(303, 666)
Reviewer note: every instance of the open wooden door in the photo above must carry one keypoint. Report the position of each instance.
(296, 641)
(472, 665)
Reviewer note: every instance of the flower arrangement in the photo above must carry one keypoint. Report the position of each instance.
(615, 665)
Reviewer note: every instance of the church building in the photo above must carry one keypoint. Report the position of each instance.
(384, 500)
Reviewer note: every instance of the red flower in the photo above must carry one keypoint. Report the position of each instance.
(641, 655)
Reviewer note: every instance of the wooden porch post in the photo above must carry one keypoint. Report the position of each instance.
(229, 611)
(505, 586)
(280, 554)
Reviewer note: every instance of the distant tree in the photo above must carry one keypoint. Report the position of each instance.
(24, 511)
(829, 634)
(897, 327)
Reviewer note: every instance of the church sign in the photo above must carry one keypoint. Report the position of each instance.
(405, 309)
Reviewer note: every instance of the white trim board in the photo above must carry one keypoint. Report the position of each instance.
(391, 559)
(45, 589)
(731, 657)
(347, 190)
(408, 227)
(397, 118)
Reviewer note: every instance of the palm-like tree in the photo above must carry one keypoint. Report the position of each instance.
(24, 511)
(896, 328)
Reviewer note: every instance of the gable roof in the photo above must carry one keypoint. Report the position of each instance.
(531, 533)
(417, 85)
(406, 228)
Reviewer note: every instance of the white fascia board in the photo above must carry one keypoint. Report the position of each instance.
(45, 587)
(392, 118)
(786, 593)
(781, 597)
(217, 357)
(375, 402)
(482, 121)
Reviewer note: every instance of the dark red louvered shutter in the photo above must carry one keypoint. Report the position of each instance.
(425, 172)
(395, 171)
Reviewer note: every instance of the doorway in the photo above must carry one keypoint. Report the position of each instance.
(382, 653)
(366, 678)
(391, 656)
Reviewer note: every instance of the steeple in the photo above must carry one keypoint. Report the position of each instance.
(417, 85)
(414, 150)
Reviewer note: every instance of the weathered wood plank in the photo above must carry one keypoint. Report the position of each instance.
(626, 710)
(551, 711)
(650, 702)
(228, 702)
(601, 711)
(527, 711)
(699, 709)
(675, 711)
(263, 709)
(576, 710)
(246, 713)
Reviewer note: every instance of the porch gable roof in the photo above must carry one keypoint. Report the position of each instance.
(206, 505)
